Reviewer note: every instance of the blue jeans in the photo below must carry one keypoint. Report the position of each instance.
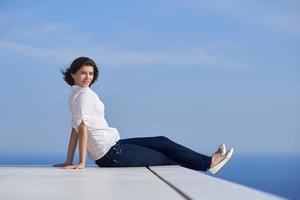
(152, 151)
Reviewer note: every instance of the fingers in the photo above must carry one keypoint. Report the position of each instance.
(72, 167)
(69, 167)
(79, 166)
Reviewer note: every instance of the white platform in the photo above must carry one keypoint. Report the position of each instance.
(160, 182)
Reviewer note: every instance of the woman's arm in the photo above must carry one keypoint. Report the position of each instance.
(72, 146)
(82, 135)
(82, 143)
(71, 150)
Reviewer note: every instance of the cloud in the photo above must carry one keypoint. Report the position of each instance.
(280, 15)
(286, 22)
(49, 30)
(58, 42)
(223, 5)
(195, 57)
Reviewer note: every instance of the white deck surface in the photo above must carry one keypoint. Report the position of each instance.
(45, 182)
(201, 186)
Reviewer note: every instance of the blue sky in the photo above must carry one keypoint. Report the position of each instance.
(199, 72)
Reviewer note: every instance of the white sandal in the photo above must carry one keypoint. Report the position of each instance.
(218, 166)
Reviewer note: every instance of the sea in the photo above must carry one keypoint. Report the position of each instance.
(275, 174)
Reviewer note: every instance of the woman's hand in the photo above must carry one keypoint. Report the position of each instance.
(62, 164)
(78, 166)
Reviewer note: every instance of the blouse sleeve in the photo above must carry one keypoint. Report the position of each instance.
(82, 110)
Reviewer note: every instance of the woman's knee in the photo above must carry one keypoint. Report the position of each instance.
(163, 138)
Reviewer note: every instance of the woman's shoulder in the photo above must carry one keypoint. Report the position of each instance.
(81, 92)
(78, 89)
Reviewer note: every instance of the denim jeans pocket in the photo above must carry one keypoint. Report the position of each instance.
(107, 159)
(116, 160)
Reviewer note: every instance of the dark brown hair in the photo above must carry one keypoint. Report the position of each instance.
(76, 65)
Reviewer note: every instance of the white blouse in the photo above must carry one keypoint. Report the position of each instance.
(86, 106)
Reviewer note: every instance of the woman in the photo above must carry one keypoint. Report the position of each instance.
(103, 143)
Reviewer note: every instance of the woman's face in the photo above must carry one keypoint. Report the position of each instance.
(84, 76)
